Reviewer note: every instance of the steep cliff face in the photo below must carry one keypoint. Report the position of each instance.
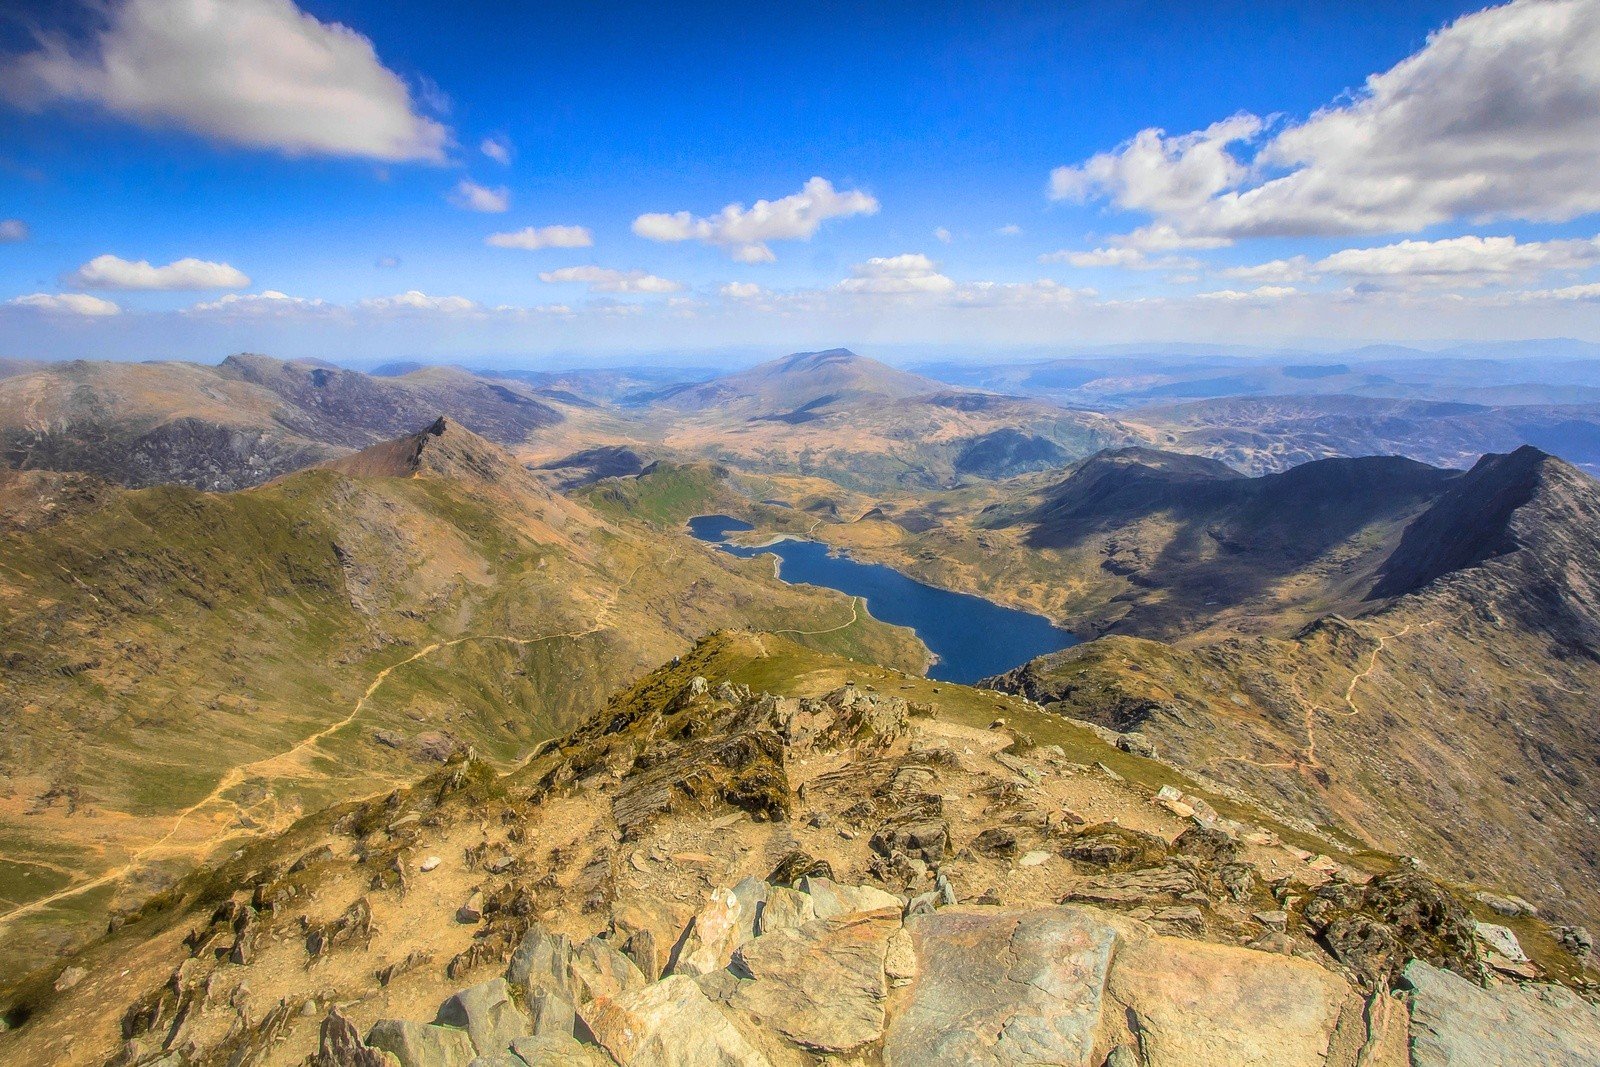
(1452, 723)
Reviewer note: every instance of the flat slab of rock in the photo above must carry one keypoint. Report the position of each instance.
(1455, 1023)
(422, 1045)
(821, 985)
(488, 1015)
(1003, 986)
(829, 898)
(558, 1051)
(1195, 1004)
(671, 1024)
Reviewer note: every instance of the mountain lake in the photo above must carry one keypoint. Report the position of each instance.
(973, 638)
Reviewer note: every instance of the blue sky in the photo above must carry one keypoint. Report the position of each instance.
(990, 175)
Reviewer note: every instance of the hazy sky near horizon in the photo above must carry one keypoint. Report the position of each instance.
(409, 179)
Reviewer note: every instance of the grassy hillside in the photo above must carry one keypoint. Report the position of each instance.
(186, 670)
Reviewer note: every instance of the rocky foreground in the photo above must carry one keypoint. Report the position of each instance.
(868, 869)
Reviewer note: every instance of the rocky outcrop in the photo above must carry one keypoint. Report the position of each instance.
(1001, 987)
(1454, 1023)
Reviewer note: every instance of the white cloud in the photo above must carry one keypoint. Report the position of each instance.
(1496, 117)
(13, 231)
(942, 235)
(744, 232)
(113, 272)
(605, 280)
(1163, 237)
(1125, 258)
(268, 302)
(535, 237)
(1043, 293)
(1160, 174)
(470, 195)
(741, 290)
(912, 272)
(1010, 229)
(260, 73)
(1099, 257)
(1296, 269)
(66, 304)
(387, 262)
(414, 301)
(1260, 293)
(1469, 262)
(1462, 260)
(497, 149)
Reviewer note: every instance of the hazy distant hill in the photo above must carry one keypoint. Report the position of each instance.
(239, 423)
(1264, 434)
(866, 424)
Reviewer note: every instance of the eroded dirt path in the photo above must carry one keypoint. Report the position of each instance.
(288, 760)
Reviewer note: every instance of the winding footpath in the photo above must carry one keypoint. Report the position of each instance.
(237, 775)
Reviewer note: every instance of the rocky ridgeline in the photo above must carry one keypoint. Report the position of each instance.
(822, 972)
(702, 876)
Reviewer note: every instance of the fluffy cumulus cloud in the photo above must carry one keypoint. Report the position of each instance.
(260, 73)
(13, 231)
(1496, 117)
(267, 303)
(413, 301)
(605, 280)
(66, 304)
(741, 290)
(497, 149)
(1460, 262)
(909, 273)
(470, 195)
(744, 232)
(535, 237)
(114, 272)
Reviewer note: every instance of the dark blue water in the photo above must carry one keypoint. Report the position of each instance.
(972, 637)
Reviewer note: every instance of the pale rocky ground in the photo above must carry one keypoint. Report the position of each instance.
(850, 875)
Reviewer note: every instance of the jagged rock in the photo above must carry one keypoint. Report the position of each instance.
(711, 937)
(785, 909)
(1115, 847)
(900, 961)
(671, 1023)
(542, 961)
(1137, 744)
(545, 1050)
(997, 987)
(1134, 887)
(927, 841)
(640, 947)
(472, 910)
(797, 865)
(1576, 940)
(340, 1045)
(1201, 1005)
(821, 985)
(998, 841)
(70, 977)
(600, 971)
(422, 1045)
(498, 1059)
(1454, 1022)
(1500, 940)
(829, 898)
(1509, 906)
(1374, 929)
(488, 1015)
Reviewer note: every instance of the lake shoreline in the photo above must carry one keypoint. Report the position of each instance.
(969, 637)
